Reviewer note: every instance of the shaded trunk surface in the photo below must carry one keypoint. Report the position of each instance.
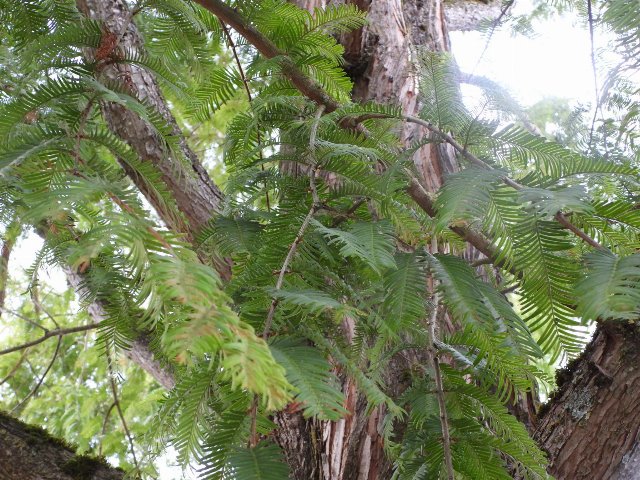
(590, 426)
(30, 453)
(379, 61)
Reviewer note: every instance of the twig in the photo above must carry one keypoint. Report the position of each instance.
(595, 71)
(510, 289)
(305, 223)
(38, 304)
(37, 387)
(432, 355)
(23, 317)
(116, 401)
(344, 216)
(494, 25)
(58, 332)
(104, 426)
(243, 77)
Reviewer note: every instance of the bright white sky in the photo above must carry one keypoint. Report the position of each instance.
(555, 63)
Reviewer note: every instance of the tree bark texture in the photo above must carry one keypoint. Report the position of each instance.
(30, 453)
(380, 63)
(196, 196)
(591, 426)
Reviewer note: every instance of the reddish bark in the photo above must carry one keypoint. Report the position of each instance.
(380, 65)
(590, 428)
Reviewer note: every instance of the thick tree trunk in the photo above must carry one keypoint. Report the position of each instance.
(30, 453)
(591, 426)
(379, 61)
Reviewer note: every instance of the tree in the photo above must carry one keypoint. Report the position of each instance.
(342, 308)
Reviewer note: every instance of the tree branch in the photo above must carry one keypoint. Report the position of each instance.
(116, 402)
(312, 90)
(58, 332)
(309, 87)
(37, 387)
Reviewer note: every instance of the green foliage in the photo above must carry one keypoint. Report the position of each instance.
(332, 268)
(609, 288)
(259, 463)
(310, 373)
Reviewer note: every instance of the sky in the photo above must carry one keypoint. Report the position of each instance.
(554, 63)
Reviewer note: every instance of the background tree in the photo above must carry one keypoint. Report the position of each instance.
(341, 308)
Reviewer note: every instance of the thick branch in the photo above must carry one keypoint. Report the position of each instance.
(30, 453)
(309, 87)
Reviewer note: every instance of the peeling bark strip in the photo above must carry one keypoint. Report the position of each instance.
(30, 453)
(196, 196)
(590, 427)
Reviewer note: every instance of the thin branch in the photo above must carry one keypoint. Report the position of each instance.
(35, 298)
(559, 216)
(58, 332)
(116, 401)
(83, 121)
(39, 384)
(15, 368)
(104, 426)
(432, 355)
(482, 261)
(5, 254)
(245, 82)
(315, 206)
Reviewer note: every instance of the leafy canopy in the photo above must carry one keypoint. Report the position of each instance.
(334, 270)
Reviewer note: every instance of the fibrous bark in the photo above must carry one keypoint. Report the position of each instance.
(197, 197)
(30, 453)
(591, 426)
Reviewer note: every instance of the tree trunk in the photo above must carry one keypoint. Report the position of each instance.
(591, 426)
(196, 196)
(379, 61)
(30, 453)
